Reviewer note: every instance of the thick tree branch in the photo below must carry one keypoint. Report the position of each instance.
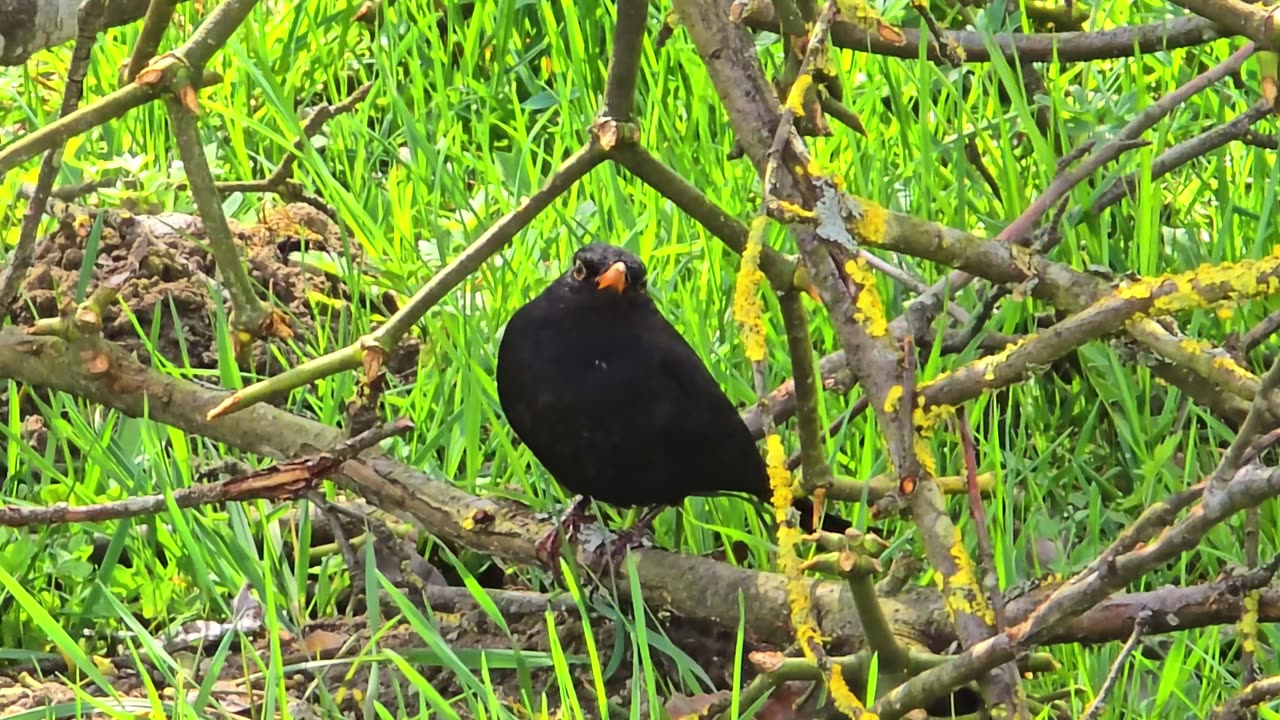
(1019, 47)
(1237, 17)
(508, 530)
(729, 55)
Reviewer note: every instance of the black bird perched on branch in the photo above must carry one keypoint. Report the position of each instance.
(615, 404)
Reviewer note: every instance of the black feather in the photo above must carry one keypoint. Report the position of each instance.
(615, 403)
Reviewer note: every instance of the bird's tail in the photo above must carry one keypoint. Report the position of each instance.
(830, 521)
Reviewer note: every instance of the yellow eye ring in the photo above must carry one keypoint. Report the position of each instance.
(579, 270)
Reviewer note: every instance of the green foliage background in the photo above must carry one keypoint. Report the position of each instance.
(471, 109)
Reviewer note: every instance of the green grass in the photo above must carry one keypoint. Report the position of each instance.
(459, 127)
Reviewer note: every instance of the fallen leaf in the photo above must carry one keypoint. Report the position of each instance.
(319, 641)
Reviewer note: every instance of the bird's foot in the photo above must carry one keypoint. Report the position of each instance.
(567, 528)
(634, 537)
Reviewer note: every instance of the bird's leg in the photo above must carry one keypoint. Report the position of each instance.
(632, 536)
(548, 547)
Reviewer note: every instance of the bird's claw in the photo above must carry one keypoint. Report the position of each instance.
(612, 554)
(548, 547)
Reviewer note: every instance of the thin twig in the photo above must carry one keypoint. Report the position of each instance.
(450, 276)
(250, 314)
(1127, 139)
(1183, 153)
(281, 180)
(986, 553)
(1245, 488)
(1100, 701)
(1260, 332)
(282, 481)
(1067, 180)
(209, 37)
(817, 44)
(1259, 422)
(159, 14)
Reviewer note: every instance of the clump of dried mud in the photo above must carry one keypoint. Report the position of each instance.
(171, 286)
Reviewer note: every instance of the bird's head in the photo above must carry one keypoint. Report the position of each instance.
(606, 271)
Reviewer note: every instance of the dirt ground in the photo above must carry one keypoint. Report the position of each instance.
(33, 687)
(171, 277)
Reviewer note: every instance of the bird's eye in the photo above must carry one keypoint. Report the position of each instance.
(579, 270)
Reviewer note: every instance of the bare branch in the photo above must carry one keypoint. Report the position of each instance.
(282, 481)
(1100, 701)
(209, 37)
(1063, 47)
(1255, 694)
(383, 340)
(159, 14)
(624, 64)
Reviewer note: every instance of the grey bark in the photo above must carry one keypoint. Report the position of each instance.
(29, 26)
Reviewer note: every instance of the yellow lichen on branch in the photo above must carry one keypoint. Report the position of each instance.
(802, 622)
(1206, 286)
(1249, 622)
(845, 701)
(1222, 362)
(748, 310)
(795, 97)
(779, 477)
(990, 363)
(869, 307)
(891, 398)
(872, 223)
(924, 456)
(960, 590)
(926, 420)
(787, 211)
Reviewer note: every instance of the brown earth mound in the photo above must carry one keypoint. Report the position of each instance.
(170, 275)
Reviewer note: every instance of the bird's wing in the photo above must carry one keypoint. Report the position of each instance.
(700, 416)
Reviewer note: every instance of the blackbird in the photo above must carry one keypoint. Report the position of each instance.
(615, 404)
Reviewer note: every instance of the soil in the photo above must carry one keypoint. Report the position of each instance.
(462, 628)
(169, 274)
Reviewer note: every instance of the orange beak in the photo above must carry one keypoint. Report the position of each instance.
(615, 277)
